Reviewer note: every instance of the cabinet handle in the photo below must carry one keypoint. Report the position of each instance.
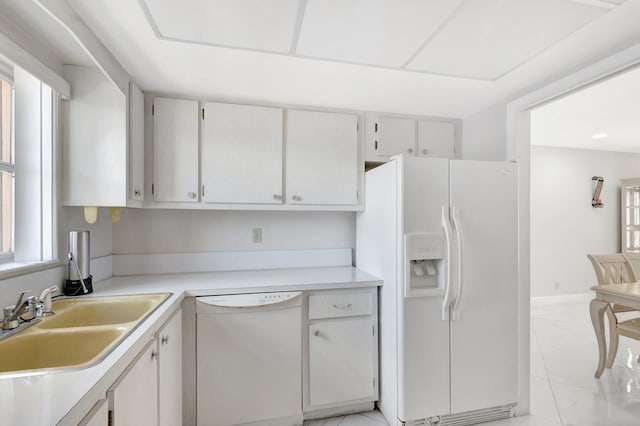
(342, 306)
(296, 198)
(424, 152)
(316, 333)
(136, 192)
(154, 355)
(410, 150)
(277, 197)
(164, 340)
(191, 194)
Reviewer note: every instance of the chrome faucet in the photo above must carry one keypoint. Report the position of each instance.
(12, 314)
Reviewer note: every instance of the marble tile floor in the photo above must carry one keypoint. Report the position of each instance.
(563, 359)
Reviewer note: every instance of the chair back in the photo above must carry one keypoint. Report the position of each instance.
(613, 268)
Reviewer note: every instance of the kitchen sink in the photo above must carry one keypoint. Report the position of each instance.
(78, 312)
(81, 333)
(75, 348)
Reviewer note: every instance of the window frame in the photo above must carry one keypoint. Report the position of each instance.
(33, 168)
(7, 257)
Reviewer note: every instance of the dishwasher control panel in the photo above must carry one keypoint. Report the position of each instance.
(249, 300)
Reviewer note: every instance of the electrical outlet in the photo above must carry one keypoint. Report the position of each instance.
(257, 235)
(556, 285)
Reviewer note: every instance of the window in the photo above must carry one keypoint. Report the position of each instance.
(27, 169)
(6, 167)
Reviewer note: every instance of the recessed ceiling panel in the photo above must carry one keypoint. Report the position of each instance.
(488, 38)
(251, 24)
(374, 32)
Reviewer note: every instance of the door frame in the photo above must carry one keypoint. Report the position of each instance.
(518, 148)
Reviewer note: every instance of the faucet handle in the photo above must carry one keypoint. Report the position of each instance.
(45, 300)
(16, 307)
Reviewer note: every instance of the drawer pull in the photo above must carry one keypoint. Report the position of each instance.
(342, 306)
(316, 333)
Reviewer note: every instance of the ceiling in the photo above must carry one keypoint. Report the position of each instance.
(610, 107)
(448, 58)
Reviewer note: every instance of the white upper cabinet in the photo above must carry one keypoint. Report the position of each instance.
(394, 136)
(436, 139)
(242, 154)
(389, 135)
(321, 158)
(136, 143)
(96, 147)
(249, 157)
(175, 149)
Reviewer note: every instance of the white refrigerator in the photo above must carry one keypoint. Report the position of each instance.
(443, 236)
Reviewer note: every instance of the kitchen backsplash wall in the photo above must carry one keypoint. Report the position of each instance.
(188, 231)
(564, 226)
(100, 232)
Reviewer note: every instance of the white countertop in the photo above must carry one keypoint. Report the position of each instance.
(65, 397)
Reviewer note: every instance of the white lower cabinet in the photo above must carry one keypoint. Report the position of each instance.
(133, 399)
(341, 361)
(149, 392)
(342, 349)
(98, 415)
(170, 371)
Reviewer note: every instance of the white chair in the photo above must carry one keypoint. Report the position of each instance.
(612, 269)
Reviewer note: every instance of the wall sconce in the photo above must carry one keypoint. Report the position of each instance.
(596, 201)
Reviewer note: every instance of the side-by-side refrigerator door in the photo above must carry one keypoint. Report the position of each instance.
(484, 314)
(423, 334)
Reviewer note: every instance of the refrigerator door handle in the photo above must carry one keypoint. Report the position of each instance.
(448, 294)
(455, 215)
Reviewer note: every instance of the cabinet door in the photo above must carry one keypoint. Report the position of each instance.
(395, 136)
(436, 139)
(94, 139)
(98, 416)
(136, 143)
(170, 372)
(134, 397)
(242, 154)
(341, 358)
(321, 158)
(175, 147)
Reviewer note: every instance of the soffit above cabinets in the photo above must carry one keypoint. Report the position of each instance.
(357, 54)
(478, 39)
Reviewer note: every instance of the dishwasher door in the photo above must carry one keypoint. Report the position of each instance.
(249, 352)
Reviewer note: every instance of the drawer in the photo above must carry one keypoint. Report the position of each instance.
(340, 305)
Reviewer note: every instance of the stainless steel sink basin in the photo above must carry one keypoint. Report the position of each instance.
(82, 332)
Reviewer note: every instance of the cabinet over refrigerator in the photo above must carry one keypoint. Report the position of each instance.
(443, 235)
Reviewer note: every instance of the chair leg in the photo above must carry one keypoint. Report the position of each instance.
(613, 337)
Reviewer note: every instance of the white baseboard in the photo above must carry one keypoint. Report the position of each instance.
(170, 263)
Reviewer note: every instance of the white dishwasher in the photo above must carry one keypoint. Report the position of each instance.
(249, 351)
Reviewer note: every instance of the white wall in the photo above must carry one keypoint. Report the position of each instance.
(564, 226)
(484, 135)
(171, 231)
(72, 218)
